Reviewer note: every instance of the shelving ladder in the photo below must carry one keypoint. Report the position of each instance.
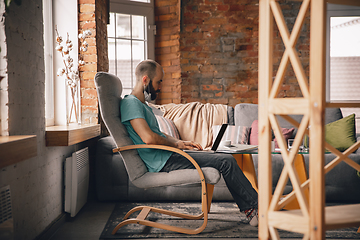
(313, 218)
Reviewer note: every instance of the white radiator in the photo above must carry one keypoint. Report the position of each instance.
(76, 181)
(6, 219)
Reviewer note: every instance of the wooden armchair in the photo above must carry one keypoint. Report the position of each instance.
(109, 89)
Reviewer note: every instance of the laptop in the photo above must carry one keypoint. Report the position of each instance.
(234, 148)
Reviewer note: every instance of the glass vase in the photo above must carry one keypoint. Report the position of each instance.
(73, 106)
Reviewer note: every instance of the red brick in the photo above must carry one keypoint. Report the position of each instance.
(86, 16)
(162, 10)
(88, 76)
(88, 102)
(91, 50)
(223, 7)
(89, 93)
(167, 43)
(218, 101)
(189, 68)
(86, 1)
(85, 8)
(212, 87)
(89, 67)
(88, 25)
(90, 58)
(172, 69)
(162, 3)
(166, 17)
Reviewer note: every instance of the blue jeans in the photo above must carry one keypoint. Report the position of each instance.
(239, 186)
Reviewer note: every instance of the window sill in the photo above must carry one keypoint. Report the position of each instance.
(15, 149)
(70, 135)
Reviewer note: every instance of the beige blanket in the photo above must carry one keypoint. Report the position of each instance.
(194, 120)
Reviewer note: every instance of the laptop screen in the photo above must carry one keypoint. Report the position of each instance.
(219, 137)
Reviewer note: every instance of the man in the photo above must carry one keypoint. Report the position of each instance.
(143, 128)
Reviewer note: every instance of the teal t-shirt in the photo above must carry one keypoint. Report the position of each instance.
(132, 108)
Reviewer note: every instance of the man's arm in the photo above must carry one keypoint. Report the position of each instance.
(149, 137)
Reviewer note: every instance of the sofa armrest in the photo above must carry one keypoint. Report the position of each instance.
(110, 175)
(230, 115)
(357, 139)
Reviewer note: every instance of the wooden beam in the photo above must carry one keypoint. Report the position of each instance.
(344, 104)
(317, 115)
(342, 216)
(345, 2)
(295, 221)
(266, 21)
(286, 106)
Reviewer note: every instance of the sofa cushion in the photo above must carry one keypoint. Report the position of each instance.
(254, 134)
(246, 113)
(287, 133)
(167, 126)
(236, 134)
(230, 115)
(341, 133)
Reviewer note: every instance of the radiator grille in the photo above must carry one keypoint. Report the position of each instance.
(82, 159)
(76, 181)
(5, 204)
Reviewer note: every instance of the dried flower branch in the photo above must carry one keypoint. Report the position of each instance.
(71, 73)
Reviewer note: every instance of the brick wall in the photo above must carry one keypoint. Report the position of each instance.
(93, 17)
(167, 49)
(217, 48)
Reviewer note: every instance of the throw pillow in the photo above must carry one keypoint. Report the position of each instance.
(287, 133)
(167, 126)
(341, 133)
(254, 134)
(236, 134)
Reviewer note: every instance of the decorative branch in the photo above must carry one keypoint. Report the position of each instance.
(71, 73)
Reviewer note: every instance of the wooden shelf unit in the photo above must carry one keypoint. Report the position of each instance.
(313, 218)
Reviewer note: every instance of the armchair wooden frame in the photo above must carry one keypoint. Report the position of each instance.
(206, 198)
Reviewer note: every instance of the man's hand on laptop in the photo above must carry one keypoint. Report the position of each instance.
(190, 145)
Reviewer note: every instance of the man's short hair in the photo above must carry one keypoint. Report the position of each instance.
(146, 67)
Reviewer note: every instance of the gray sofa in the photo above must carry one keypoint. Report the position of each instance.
(112, 182)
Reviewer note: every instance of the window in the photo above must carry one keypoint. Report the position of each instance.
(130, 38)
(343, 56)
(55, 87)
(48, 51)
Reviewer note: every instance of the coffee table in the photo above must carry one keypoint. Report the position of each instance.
(245, 162)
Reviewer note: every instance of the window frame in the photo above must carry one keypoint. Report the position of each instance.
(55, 87)
(335, 10)
(48, 62)
(142, 9)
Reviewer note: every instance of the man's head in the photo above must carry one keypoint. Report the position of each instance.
(150, 74)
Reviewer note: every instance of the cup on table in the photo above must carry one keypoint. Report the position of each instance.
(226, 143)
(272, 146)
(290, 143)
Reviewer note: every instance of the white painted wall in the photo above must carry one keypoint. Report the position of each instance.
(36, 184)
(3, 82)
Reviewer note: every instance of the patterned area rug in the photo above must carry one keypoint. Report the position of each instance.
(225, 221)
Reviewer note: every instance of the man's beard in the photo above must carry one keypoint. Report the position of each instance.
(150, 93)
